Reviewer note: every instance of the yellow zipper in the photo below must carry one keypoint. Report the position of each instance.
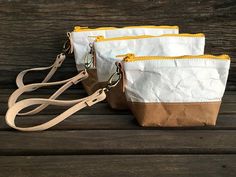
(131, 57)
(152, 26)
(80, 28)
(102, 38)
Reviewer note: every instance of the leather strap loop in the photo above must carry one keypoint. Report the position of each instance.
(98, 96)
(53, 68)
(67, 83)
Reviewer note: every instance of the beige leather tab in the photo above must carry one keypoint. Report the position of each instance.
(71, 47)
(97, 99)
(59, 60)
(98, 96)
(53, 68)
(67, 83)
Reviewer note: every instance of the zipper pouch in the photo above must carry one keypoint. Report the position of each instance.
(82, 40)
(175, 91)
(107, 49)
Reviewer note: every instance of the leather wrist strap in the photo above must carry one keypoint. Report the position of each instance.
(98, 96)
(53, 68)
(67, 83)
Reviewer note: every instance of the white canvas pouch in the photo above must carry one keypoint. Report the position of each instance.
(175, 91)
(106, 50)
(82, 38)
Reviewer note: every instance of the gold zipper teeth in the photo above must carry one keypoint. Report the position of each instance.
(183, 35)
(102, 39)
(132, 57)
(79, 28)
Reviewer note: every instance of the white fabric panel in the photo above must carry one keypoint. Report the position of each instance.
(82, 39)
(107, 51)
(179, 80)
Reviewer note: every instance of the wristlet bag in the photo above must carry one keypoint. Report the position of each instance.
(175, 91)
(82, 40)
(106, 50)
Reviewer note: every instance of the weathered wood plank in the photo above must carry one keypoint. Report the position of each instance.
(76, 92)
(104, 109)
(227, 107)
(97, 109)
(122, 165)
(118, 142)
(101, 116)
(112, 122)
(32, 33)
(108, 119)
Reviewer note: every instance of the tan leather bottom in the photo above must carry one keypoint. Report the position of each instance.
(91, 84)
(116, 98)
(175, 114)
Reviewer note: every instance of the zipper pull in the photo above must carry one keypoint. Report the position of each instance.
(89, 58)
(78, 28)
(99, 38)
(127, 57)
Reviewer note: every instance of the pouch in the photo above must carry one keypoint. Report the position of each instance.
(82, 39)
(175, 91)
(106, 50)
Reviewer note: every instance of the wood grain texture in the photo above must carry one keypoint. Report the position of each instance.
(32, 33)
(118, 142)
(227, 107)
(104, 109)
(100, 116)
(112, 122)
(128, 166)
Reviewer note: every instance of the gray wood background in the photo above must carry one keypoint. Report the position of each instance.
(98, 141)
